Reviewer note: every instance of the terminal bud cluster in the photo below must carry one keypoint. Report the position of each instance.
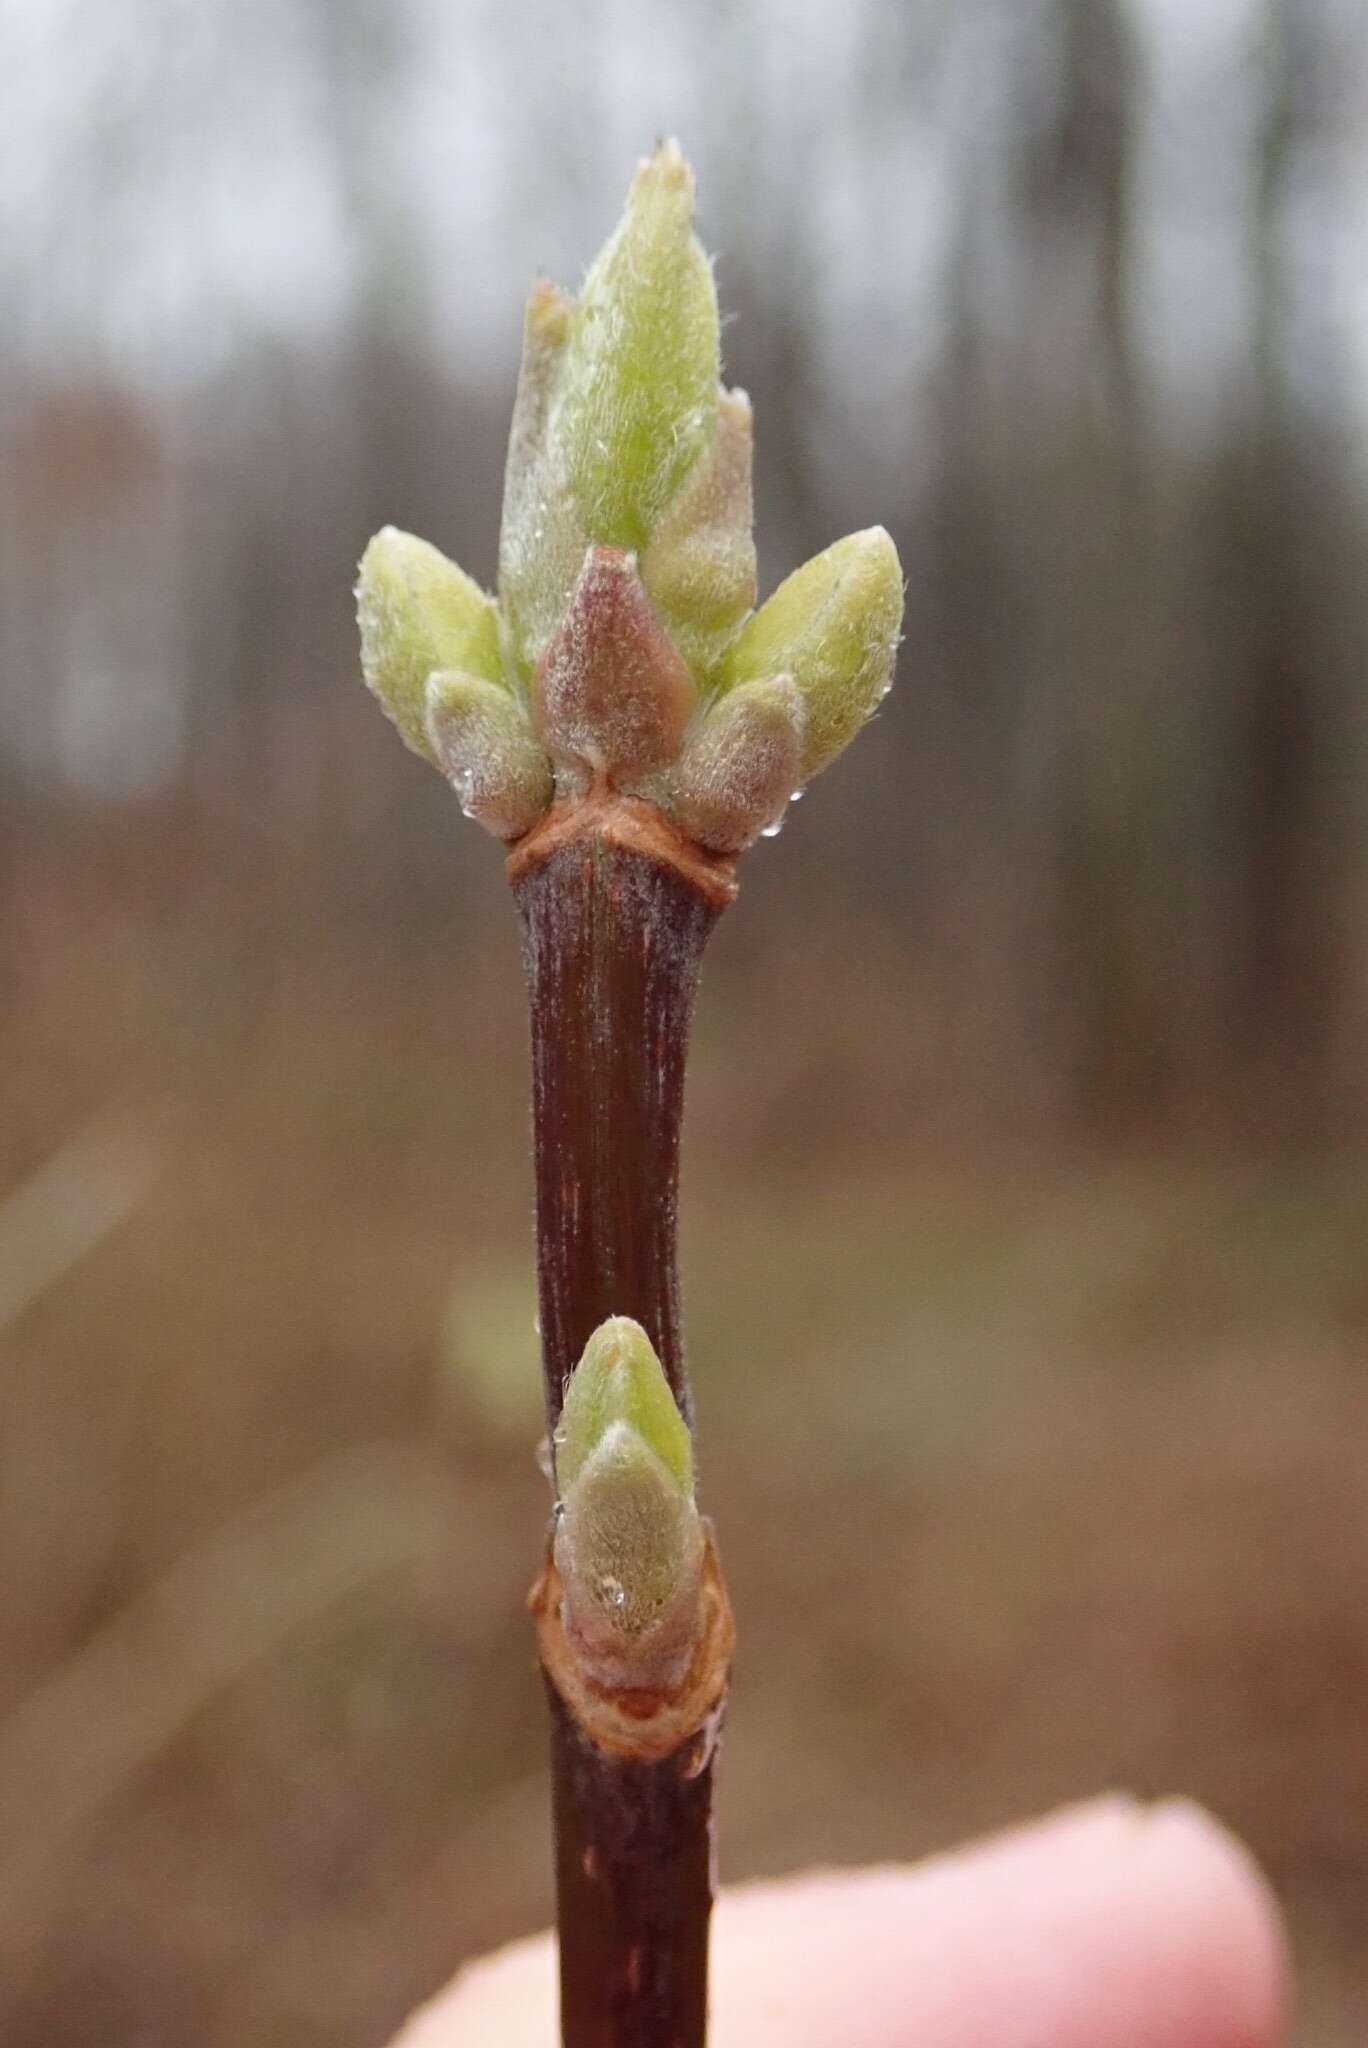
(623, 654)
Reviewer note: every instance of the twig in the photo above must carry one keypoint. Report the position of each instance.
(623, 721)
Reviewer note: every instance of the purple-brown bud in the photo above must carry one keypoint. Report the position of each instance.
(613, 695)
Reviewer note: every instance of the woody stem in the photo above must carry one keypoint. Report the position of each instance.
(616, 911)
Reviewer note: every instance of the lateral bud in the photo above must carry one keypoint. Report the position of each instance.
(418, 612)
(833, 625)
(613, 694)
(629, 1542)
(541, 537)
(699, 565)
(741, 765)
(482, 742)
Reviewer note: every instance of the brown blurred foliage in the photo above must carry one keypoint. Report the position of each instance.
(1024, 1196)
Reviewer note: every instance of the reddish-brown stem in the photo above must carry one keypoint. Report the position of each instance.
(633, 1892)
(616, 910)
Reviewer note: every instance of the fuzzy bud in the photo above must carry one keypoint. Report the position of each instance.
(613, 695)
(482, 742)
(638, 397)
(419, 612)
(833, 626)
(629, 1542)
(699, 566)
(741, 765)
(542, 538)
(624, 625)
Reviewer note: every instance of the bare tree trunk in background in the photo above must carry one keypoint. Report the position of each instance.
(1045, 571)
(1289, 979)
(1108, 848)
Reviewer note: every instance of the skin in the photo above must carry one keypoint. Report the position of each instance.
(1111, 1923)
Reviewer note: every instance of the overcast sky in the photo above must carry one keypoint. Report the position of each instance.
(175, 181)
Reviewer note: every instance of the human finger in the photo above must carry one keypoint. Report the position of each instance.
(1143, 1927)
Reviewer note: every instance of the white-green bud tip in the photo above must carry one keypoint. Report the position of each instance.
(629, 1542)
(419, 612)
(638, 399)
(620, 1379)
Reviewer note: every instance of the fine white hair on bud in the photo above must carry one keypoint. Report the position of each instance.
(741, 765)
(484, 745)
(699, 565)
(542, 539)
(625, 623)
(418, 612)
(629, 1541)
(833, 626)
(613, 694)
(635, 406)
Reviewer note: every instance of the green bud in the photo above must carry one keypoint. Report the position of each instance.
(635, 406)
(699, 566)
(629, 1547)
(741, 765)
(541, 538)
(624, 625)
(833, 626)
(620, 1379)
(629, 1542)
(481, 740)
(419, 612)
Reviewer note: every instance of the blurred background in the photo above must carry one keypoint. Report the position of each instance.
(1025, 1200)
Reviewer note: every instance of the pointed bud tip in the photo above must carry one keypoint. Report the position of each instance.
(619, 1380)
(638, 398)
(665, 174)
(549, 312)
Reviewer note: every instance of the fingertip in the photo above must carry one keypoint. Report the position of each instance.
(1141, 1926)
(508, 1997)
(1137, 1926)
(1224, 1922)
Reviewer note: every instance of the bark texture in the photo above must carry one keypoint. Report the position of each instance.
(614, 931)
(631, 1778)
(633, 1890)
